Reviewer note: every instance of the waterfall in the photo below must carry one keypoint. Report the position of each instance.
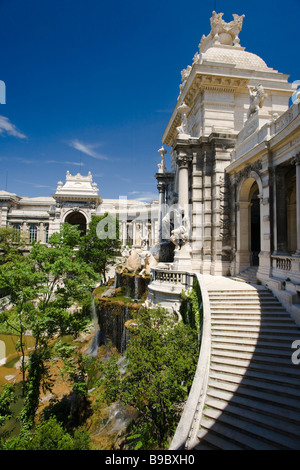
(124, 331)
(99, 337)
(136, 287)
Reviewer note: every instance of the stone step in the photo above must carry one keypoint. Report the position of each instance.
(266, 350)
(253, 357)
(248, 308)
(293, 372)
(262, 323)
(258, 335)
(241, 372)
(254, 426)
(243, 301)
(256, 398)
(256, 382)
(215, 434)
(260, 329)
(254, 317)
(253, 342)
(230, 437)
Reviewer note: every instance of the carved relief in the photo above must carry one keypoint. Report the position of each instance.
(245, 172)
(225, 213)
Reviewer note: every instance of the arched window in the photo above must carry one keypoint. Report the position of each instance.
(32, 233)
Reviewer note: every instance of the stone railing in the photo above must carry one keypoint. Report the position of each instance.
(173, 277)
(186, 433)
(284, 263)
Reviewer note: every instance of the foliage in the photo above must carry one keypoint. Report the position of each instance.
(7, 397)
(43, 287)
(50, 435)
(100, 247)
(162, 357)
(191, 306)
(11, 242)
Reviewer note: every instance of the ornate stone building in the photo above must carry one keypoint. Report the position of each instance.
(76, 202)
(235, 175)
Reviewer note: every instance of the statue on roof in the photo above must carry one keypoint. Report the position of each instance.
(222, 32)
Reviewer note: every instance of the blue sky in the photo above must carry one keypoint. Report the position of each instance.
(91, 85)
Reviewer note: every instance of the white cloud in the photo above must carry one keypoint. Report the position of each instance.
(144, 196)
(88, 149)
(6, 127)
(65, 162)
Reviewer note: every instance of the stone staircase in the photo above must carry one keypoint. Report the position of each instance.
(253, 396)
(248, 275)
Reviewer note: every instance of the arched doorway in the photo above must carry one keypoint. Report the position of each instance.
(248, 224)
(77, 218)
(255, 226)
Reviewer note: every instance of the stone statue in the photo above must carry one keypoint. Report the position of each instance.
(162, 165)
(149, 262)
(257, 99)
(183, 128)
(222, 32)
(180, 234)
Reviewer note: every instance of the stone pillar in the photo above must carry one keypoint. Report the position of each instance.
(4, 212)
(124, 232)
(183, 162)
(296, 161)
(41, 233)
(161, 208)
(281, 211)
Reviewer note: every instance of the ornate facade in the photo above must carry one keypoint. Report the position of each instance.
(235, 172)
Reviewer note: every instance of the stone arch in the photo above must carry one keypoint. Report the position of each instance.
(76, 217)
(249, 223)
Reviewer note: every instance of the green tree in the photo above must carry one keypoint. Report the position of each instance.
(11, 242)
(46, 289)
(162, 357)
(7, 397)
(101, 245)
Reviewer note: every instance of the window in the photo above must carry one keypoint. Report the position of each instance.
(32, 233)
(46, 233)
(16, 234)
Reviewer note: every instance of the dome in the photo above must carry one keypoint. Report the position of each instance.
(234, 55)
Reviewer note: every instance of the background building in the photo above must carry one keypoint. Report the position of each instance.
(76, 202)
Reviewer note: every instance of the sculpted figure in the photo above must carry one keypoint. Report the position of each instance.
(257, 99)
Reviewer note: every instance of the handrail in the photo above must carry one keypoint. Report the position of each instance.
(186, 433)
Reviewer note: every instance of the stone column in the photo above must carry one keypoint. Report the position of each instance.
(161, 208)
(281, 211)
(124, 232)
(183, 160)
(296, 161)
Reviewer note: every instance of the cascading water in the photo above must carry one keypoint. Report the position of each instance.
(98, 337)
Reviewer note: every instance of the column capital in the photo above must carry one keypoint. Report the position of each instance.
(183, 160)
(296, 159)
